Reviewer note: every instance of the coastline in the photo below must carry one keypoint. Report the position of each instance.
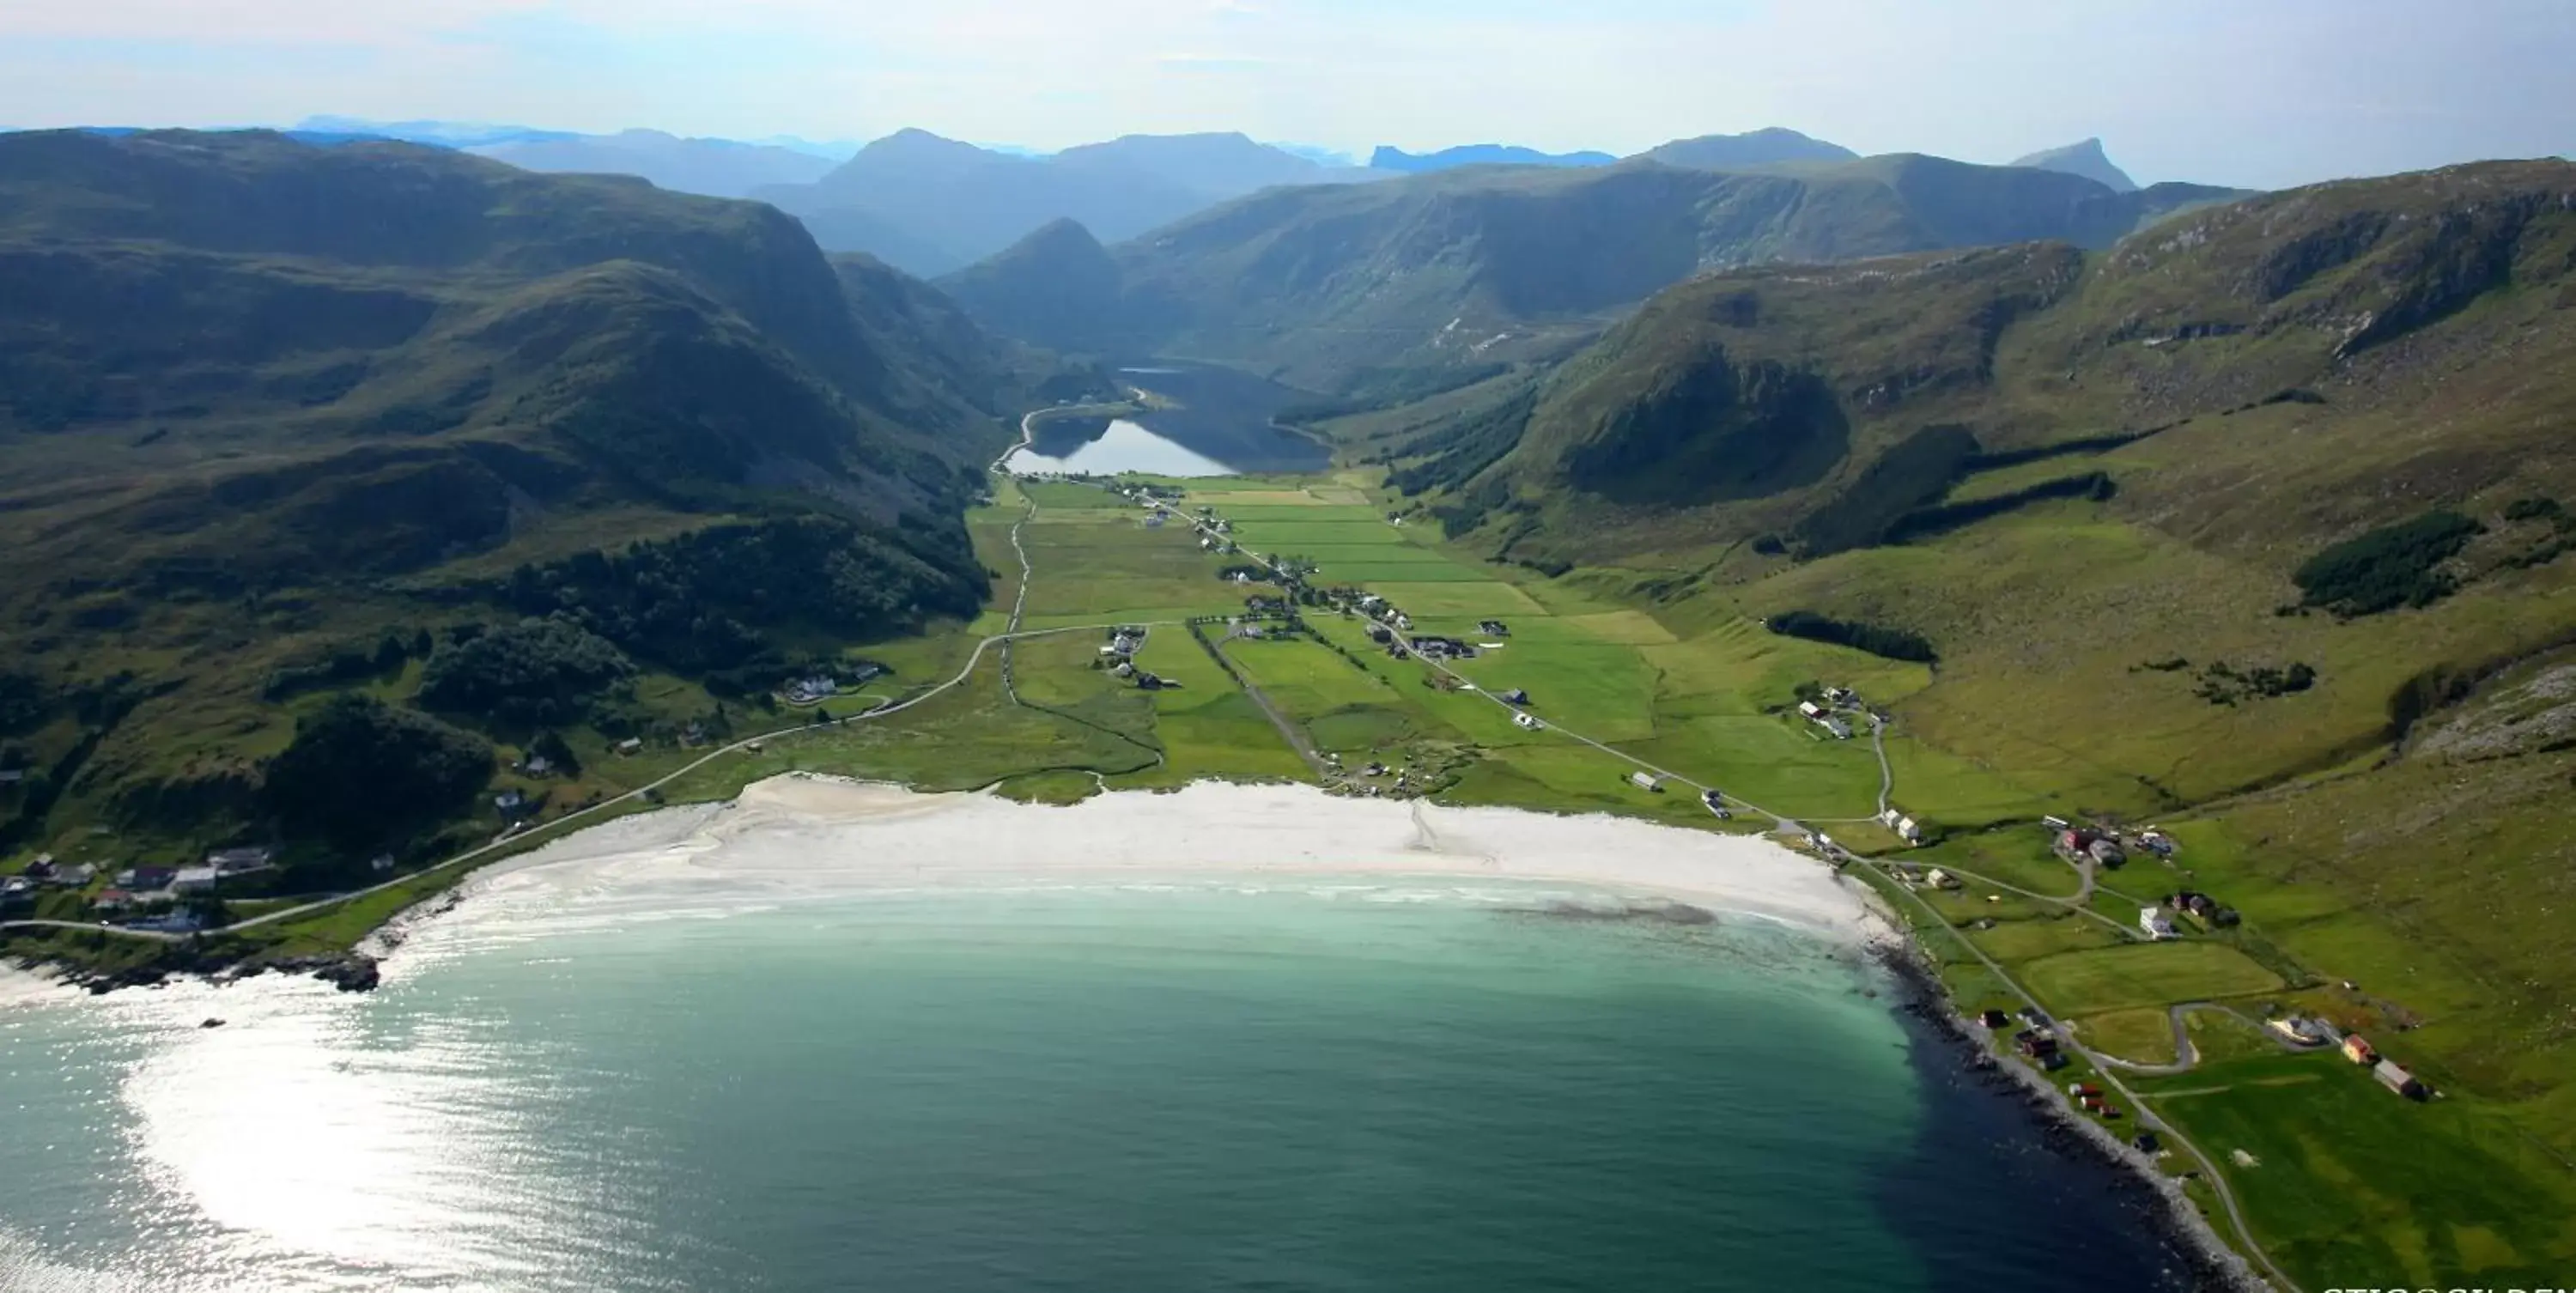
(2212, 1263)
(807, 835)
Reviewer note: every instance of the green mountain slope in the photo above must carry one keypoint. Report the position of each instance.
(266, 409)
(1320, 286)
(2255, 525)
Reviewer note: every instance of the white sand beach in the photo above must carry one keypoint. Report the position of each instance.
(803, 836)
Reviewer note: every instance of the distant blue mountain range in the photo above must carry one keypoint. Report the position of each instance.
(1398, 160)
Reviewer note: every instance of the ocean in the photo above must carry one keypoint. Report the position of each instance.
(1281, 1084)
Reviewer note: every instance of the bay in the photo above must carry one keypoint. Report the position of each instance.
(1275, 1085)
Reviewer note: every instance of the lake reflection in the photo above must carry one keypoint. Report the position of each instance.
(1099, 447)
(1220, 423)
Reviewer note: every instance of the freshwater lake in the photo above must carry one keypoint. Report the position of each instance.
(1220, 425)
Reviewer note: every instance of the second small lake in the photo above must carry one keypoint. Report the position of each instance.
(1219, 424)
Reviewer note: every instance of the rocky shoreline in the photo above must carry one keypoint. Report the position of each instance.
(2212, 1264)
(347, 971)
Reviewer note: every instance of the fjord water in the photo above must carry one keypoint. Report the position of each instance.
(1213, 422)
(1282, 1086)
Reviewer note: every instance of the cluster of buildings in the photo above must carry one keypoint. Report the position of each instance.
(816, 688)
(2081, 844)
(142, 888)
(1906, 828)
(1830, 711)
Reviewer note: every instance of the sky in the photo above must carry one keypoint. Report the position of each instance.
(2261, 93)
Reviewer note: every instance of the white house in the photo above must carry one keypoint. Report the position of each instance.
(196, 879)
(2156, 923)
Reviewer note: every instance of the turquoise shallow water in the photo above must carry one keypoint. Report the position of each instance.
(1337, 1088)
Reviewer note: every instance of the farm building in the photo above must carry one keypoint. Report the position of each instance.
(2398, 1080)
(1906, 828)
(1527, 722)
(1940, 879)
(2300, 1030)
(1647, 781)
(1515, 696)
(2155, 922)
(1493, 628)
(2357, 1048)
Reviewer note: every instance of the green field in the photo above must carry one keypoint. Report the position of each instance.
(2144, 974)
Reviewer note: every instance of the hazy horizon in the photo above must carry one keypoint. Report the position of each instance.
(2287, 93)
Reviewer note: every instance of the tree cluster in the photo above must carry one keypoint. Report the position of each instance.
(535, 671)
(707, 603)
(361, 773)
(1876, 639)
(2392, 566)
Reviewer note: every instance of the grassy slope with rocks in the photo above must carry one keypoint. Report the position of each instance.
(280, 422)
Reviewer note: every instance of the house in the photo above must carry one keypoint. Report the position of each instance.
(509, 801)
(1404, 621)
(73, 877)
(537, 765)
(1715, 803)
(2034, 1017)
(1515, 696)
(1906, 828)
(1995, 1019)
(146, 879)
(631, 745)
(1493, 628)
(1841, 696)
(2146, 1143)
(1811, 709)
(1123, 670)
(1527, 722)
(1650, 782)
(1380, 633)
(2033, 1043)
(2083, 1090)
(196, 879)
(2203, 908)
(236, 860)
(381, 863)
(1940, 879)
(2357, 1048)
(2156, 923)
(1371, 602)
(806, 691)
(111, 900)
(1837, 728)
(2106, 852)
(1440, 648)
(2398, 1080)
(2300, 1030)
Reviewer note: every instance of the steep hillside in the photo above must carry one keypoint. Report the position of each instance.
(264, 406)
(2086, 159)
(929, 205)
(1756, 402)
(1322, 286)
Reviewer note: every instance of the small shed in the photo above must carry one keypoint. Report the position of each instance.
(2397, 1079)
(2358, 1049)
(1647, 781)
